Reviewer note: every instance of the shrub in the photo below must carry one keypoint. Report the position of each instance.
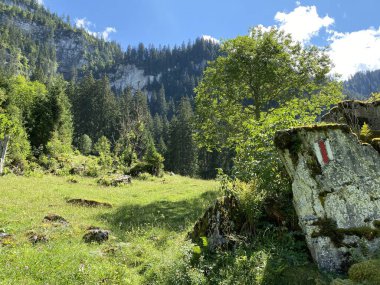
(85, 144)
(139, 167)
(366, 133)
(102, 146)
(366, 272)
(249, 195)
(144, 176)
(154, 160)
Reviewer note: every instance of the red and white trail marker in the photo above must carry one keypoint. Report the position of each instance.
(323, 152)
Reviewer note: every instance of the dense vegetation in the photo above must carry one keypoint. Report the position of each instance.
(65, 115)
(136, 122)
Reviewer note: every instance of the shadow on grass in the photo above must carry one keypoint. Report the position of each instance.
(174, 216)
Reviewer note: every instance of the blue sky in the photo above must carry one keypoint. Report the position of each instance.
(348, 26)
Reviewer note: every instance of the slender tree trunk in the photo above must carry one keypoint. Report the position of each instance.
(3, 152)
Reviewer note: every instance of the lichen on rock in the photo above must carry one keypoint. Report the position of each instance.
(336, 191)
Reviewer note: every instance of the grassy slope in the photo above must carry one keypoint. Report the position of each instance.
(148, 222)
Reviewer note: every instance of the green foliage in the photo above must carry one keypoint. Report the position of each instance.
(182, 153)
(366, 133)
(374, 97)
(85, 144)
(19, 146)
(102, 146)
(251, 199)
(103, 149)
(154, 160)
(62, 116)
(265, 82)
(366, 272)
(274, 257)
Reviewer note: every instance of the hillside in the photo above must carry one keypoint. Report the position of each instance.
(39, 43)
(111, 92)
(362, 84)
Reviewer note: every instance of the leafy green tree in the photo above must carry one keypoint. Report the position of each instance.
(102, 146)
(19, 146)
(154, 160)
(257, 72)
(61, 118)
(103, 149)
(263, 82)
(85, 144)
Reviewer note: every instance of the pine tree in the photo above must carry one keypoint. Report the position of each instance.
(182, 150)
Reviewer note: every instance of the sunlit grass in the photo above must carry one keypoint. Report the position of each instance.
(148, 223)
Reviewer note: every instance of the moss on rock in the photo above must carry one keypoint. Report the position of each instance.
(366, 272)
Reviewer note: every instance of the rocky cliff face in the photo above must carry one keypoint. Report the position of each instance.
(355, 113)
(336, 192)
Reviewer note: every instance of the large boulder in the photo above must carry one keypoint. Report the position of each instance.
(354, 114)
(336, 192)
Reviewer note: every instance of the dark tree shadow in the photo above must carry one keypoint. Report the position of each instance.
(174, 216)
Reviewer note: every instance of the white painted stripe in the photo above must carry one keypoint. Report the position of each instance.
(318, 153)
(329, 151)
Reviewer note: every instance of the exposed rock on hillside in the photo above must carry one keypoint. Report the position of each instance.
(355, 114)
(336, 191)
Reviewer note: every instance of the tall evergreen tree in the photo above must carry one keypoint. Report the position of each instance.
(182, 150)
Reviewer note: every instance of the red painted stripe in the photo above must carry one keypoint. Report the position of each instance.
(323, 149)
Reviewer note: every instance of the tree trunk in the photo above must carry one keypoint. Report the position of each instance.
(3, 152)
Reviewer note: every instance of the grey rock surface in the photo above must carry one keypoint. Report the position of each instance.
(355, 113)
(95, 234)
(336, 191)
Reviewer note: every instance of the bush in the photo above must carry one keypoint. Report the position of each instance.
(154, 160)
(139, 167)
(144, 176)
(85, 144)
(366, 272)
(106, 181)
(102, 146)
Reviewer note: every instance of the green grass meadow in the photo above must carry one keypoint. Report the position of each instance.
(148, 222)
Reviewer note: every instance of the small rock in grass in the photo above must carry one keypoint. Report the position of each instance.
(35, 238)
(88, 203)
(95, 234)
(53, 218)
(5, 238)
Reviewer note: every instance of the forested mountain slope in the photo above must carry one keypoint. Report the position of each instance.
(139, 99)
(362, 84)
(38, 43)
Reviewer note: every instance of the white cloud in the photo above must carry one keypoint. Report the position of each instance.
(41, 2)
(298, 3)
(210, 39)
(350, 52)
(303, 22)
(105, 34)
(355, 51)
(85, 24)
